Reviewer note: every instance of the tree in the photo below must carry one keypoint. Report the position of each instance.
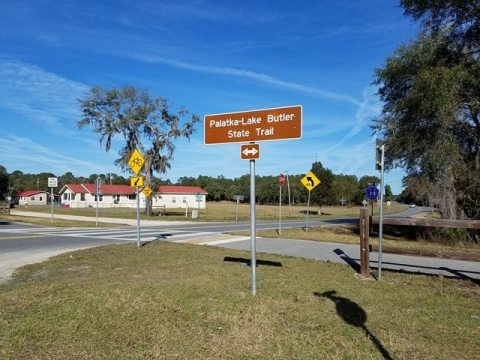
(388, 193)
(430, 118)
(322, 194)
(459, 20)
(3, 182)
(145, 122)
(344, 188)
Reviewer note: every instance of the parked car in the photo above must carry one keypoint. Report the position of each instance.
(412, 205)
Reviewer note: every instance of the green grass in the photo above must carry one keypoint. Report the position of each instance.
(183, 301)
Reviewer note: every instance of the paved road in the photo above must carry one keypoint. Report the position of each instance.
(350, 255)
(22, 244)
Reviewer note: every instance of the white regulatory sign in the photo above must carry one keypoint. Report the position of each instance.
(52, 182)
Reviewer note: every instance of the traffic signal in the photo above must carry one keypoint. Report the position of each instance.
(379, 148)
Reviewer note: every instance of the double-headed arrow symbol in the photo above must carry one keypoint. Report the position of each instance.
(250, 151)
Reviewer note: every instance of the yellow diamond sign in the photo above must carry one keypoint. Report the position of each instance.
(136, 181)
(147, 191)
(310, 181)
(136, 161)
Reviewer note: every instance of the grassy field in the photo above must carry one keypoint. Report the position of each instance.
(184, 301)
(219, 211)
(48, 222)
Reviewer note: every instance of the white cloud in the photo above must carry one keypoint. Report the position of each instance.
(43, 97)
(243, 73)
(366, 110)
(21, 152)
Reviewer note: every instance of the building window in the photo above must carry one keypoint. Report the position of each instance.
(132, 196)
(65, 196)
(100, 197)
(174, 200)
(184, 199)
(41, 198)
(82, 197)
(32, 198)
(116, 199)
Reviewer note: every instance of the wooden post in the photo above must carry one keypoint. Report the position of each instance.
(364, 246)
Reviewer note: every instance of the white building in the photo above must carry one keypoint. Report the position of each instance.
(33, 197)
(168, 197)
(84, 195)
(174, 196)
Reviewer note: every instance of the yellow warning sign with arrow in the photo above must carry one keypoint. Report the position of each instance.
(136, 181)
(310, 181)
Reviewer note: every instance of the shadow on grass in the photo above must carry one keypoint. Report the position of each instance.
(351, 313)
(462, 275)
(248, 261)
(352, 262)
(408, 268)
(2, 222)
(159, 237)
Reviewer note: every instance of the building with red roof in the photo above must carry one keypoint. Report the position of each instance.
(176, 196)
(84, 195)
(167, 196)
(33, 197)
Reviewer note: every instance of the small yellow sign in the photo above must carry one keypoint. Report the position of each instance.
(147, 191)
(136, 161)
(310, 181)
(136, 181)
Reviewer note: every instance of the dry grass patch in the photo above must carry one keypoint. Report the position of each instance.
(48, 221)
(219, 211)
(183, 301)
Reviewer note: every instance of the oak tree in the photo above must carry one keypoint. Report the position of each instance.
(146, 123)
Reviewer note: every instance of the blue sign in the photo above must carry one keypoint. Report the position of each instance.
(372, 192)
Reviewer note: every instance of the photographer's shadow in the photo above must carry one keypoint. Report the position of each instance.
(354, 315)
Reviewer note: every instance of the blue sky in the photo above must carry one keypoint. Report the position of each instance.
(208, 56)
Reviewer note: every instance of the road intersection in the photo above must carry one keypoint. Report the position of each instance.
(25, 244)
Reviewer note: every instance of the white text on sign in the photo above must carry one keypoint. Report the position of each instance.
(259, 131)
(268, 124)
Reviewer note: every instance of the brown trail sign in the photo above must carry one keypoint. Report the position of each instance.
(254, 125)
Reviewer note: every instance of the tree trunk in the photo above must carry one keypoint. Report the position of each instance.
(148, 182)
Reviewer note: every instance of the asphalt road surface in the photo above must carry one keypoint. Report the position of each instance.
(25, 244)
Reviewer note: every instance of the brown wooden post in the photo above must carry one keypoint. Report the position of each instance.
(364, 246)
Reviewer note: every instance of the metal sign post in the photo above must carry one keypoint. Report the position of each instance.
(98, 183)
(281, 181)
(310, 181)
(288, 189)
(51, 200)
(380, 226)
(280, 213)
(137, 192)
(253, 229)
(308, 210)
(52, 183)
(136, 162)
